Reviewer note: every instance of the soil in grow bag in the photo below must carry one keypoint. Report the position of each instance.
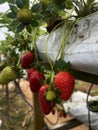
(93, 106)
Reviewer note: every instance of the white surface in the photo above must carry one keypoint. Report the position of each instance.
(76, 99)
(81, 113)
(0, 122)
(3, 8)
(78, 108)
(82, 50)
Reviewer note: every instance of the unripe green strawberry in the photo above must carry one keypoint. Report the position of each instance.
(2, 80)
(50, 95)
(8, 74)
(65, 82)
(24, 16)
(45, 3)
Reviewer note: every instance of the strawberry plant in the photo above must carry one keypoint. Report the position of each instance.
(51, 83)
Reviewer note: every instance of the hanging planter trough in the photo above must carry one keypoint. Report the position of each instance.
(81, 50)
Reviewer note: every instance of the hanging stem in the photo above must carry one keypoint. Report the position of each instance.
(35, 47)
(89, 120)
(47, 55)
(38, 115)
(66, 37)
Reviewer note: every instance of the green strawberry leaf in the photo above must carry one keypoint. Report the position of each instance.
(36, 7)
(11, 15)
(19, 3)
(11, 1)
(26, 4)
(14, 23)
(2, 1)
(5, 18)
(29, 28)
(20, 28)
(61, 65)
(13, 8)
(34, 23)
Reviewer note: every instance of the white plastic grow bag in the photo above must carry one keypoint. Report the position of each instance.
(82, 47)
(78, 108)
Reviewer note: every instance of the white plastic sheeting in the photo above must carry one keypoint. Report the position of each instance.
(81, 113)
(78, 109)
(82, 47)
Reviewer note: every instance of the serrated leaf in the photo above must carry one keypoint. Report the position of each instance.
(50, 7)
(14, 23)
(11, 15)
(38, 16)
(20, 3)
(2, 1)
(34, 23)
(26, 4)
(11, 1)
(36, 7)
(5, 18)
(2, 21)
(29, 29)
(20, 28)
(13, 8)
(69, 4)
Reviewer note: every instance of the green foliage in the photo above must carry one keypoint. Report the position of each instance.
(19, 4)
(83, 8)
(2, 1)
(48, 12)
(61, 65)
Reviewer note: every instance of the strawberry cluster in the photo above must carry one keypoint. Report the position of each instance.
(34, 76)
(50, 94)
(63, 85)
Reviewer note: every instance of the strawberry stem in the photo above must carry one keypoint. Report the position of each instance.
(47, 55)
(65, 38)
(35, 47)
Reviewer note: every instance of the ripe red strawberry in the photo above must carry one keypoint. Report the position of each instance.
(27, 59)
(30, 71)
(46, 106)
(65, 82)
(36, 79)
(41, 76)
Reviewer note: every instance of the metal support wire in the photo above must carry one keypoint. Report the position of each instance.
(22, 94)
(89, 118)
